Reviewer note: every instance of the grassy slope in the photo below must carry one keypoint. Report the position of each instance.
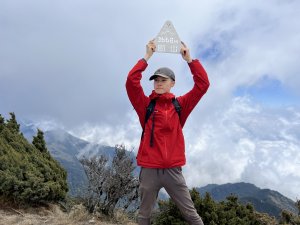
(52, 214)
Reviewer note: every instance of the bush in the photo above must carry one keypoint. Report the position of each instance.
(27, 173)
(110, 184)
(228, 212)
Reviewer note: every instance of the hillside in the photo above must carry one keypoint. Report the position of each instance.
(33, 185)
(28, 172)
(67, 149)
(64, 148)
(263, 200)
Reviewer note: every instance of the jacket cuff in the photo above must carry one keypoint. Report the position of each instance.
(144, 60)
(193, 60)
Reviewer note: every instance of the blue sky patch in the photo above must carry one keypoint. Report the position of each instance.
(269, 92)
(214, 52)
(218, 48)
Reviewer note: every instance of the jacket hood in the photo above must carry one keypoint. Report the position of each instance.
(165, 96)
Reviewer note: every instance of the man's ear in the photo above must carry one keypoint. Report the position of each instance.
(173, 83)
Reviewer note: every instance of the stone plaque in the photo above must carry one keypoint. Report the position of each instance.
(167, 40)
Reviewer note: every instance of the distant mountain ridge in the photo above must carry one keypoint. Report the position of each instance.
(263, 200)
(67, 150)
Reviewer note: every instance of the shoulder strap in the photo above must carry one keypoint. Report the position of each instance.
(149, 111)
(177, 106)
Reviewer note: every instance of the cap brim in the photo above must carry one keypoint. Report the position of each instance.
(158, 75)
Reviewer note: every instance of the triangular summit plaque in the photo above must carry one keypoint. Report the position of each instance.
(167, 39)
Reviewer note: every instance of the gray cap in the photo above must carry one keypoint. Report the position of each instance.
(163, 72)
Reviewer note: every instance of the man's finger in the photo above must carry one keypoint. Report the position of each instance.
(182, 51)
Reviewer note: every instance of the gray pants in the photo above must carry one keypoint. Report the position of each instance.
(152, 180)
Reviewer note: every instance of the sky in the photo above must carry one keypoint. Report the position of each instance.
(63, 64)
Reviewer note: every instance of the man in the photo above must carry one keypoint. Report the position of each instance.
(161, 152)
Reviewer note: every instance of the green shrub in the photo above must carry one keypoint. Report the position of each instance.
(28, 173)
(228, 212)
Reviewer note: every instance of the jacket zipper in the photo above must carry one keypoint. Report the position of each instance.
(166, 150)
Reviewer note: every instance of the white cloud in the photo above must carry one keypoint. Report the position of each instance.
(246, 143)
(126, 134)
(46, 125)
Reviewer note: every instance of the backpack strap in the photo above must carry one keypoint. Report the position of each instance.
(177, 106)
(149, 111)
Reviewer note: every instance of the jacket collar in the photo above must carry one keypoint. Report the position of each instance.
(165, 96)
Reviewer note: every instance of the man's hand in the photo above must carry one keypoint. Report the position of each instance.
(185, 53)
(150, 49)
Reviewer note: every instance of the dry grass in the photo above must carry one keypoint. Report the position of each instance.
(52, 214)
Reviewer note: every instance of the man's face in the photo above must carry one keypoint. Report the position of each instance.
(163, 85)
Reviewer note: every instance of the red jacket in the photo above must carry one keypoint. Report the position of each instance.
(168, 148)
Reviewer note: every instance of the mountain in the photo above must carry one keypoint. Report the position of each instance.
(67, 150)
(263, 200)
(64, 148)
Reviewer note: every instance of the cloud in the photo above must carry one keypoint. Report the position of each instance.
(126, 134)
(247, 41)
(246, 143)
(69, 60)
